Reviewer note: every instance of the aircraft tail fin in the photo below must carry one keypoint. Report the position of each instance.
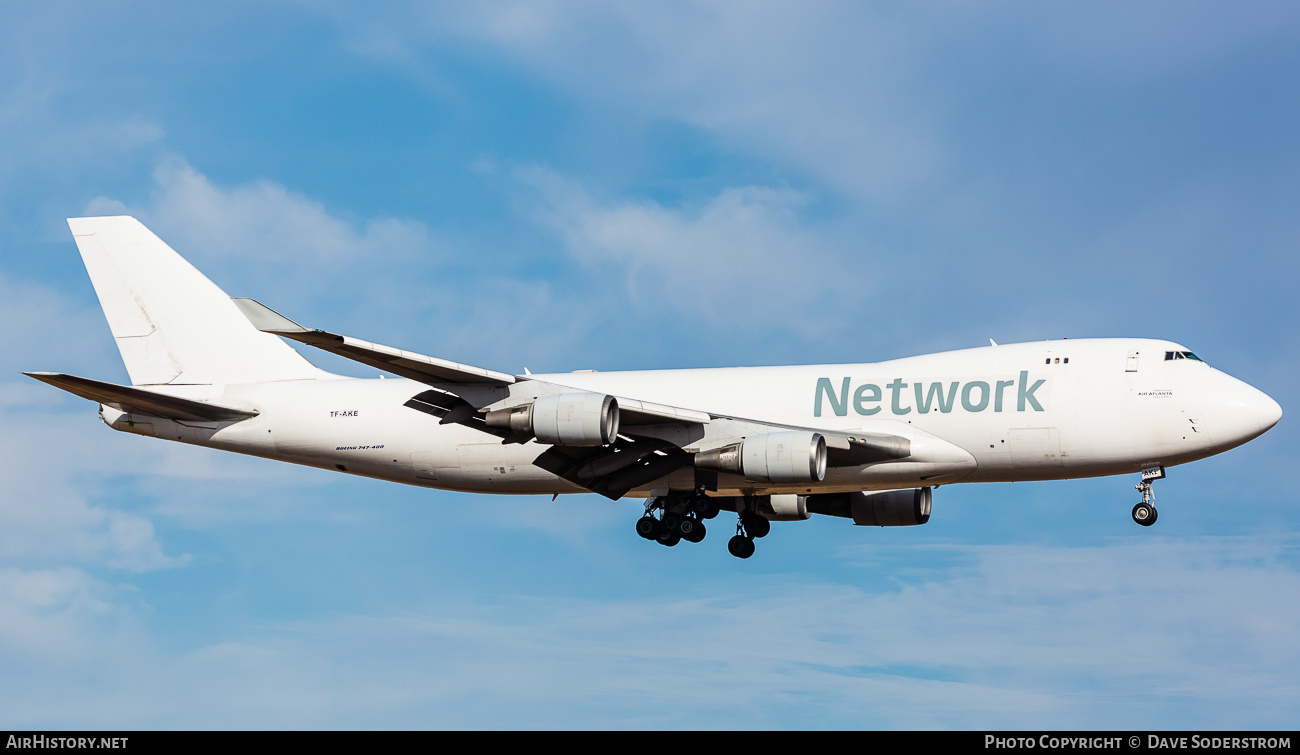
(172, 325)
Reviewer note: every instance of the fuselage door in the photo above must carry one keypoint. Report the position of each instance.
(1132, 364)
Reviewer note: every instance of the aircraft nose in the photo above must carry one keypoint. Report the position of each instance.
(1267, 410)
(1235, 411)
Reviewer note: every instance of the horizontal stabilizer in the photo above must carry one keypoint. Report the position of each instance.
(139, 400)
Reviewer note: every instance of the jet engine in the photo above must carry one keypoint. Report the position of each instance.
(888, 508)
(790, 456)
(562, 419)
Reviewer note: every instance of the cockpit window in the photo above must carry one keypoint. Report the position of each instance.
(1181, 355)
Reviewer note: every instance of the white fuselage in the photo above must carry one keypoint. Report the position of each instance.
(1033, 411)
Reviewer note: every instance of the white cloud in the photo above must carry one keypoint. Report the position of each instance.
(47, 514)
(823, 87)
(52, 617)
(1005, 637)
(744, 258)
(841, 90)
(1170, 634)
(42, 329)
(260, 221)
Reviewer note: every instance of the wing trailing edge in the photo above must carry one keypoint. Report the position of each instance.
(407, 364)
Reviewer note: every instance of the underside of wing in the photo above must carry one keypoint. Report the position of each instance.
(615, 469)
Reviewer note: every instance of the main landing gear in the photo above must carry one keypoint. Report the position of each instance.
(676, 517)
(749, 526)
(681, 518)
(1145, 512)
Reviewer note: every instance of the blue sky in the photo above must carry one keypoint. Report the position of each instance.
(569, 185)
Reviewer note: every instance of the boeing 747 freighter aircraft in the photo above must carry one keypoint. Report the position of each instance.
(867, 442)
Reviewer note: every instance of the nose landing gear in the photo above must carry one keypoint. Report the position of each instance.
(1145, 512)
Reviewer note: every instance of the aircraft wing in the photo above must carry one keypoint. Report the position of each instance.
(643, 452)
(441, 373)
(141, 401)
(397, 361)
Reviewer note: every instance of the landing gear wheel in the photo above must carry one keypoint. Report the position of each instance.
(1145, 514)
(669, 538)
(648, 527)
(704, 506)
(740, 546)
(672, 522)
(687, 528)
(756, 525)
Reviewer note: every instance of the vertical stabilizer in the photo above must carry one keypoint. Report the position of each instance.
(173, 325)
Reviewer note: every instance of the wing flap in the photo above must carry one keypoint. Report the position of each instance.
(139, 400)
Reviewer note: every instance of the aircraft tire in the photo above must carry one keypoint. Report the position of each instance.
(740, 546)
(669, 539)
(1145, 514)
(696, 533)
(757, 526)
(648, 527)
(704, 506)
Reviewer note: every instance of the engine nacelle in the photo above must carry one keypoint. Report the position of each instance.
(789, 456)
(563, 419)
(888, 508)
(785, 508)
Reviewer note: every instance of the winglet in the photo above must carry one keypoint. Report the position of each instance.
(266, 319)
